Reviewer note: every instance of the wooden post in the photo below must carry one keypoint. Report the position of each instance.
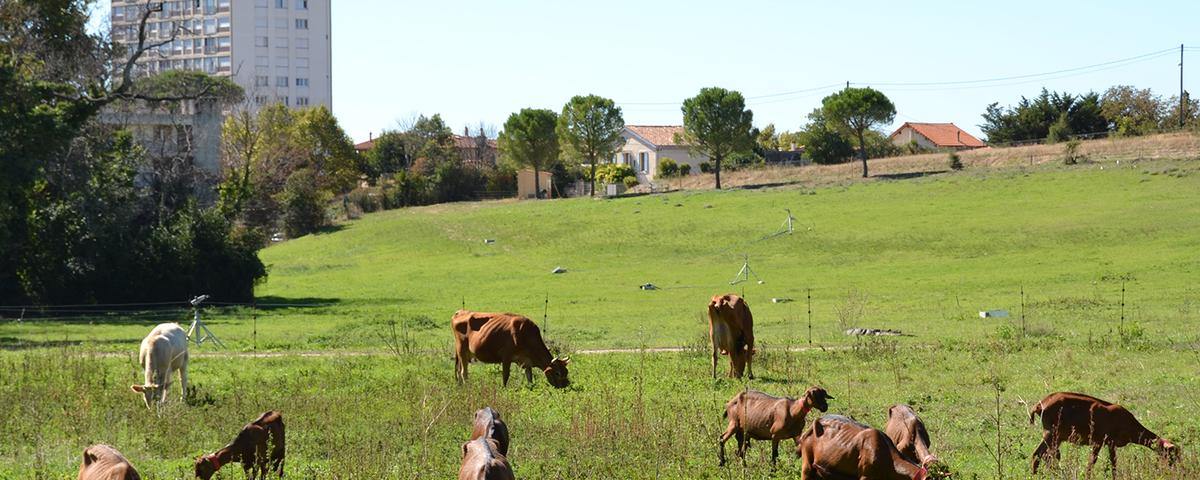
(810, 315)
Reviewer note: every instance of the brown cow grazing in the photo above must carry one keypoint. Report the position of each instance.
(756, 415)
(489, 425)
(731, 331)
(839, 447)
(259, 447)
(908, 432)
(102, 462)
(1086, 420)
(504, 338)
(482, 460)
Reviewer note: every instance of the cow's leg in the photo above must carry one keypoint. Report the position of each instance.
(1092, 459)
(749, 363)
(505, 368)
(716, 354)
(1042, 448)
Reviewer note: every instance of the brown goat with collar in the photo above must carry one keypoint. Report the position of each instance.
(102, 462)
(908, 432)
(838, 447)
(756, 415)
(1088, 421)
(259, 447)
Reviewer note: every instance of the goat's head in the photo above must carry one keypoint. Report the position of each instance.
(150, 393)
(556, 373)
(818, 398)
(206, 466)
(1167, 450)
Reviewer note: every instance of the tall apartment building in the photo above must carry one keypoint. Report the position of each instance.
(278, 50)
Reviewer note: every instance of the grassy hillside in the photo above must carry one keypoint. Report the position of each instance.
(922, 256)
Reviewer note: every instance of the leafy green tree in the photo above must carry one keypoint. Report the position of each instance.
(717, 124)
(429, 143)
(1130, 111)
(767, 139)
(1031, 119)
(1191, 111)
(857, 110)
(590, 130)
(529, 140)
(303, 204)
(822, 144)
(387, 155)
(327, 150)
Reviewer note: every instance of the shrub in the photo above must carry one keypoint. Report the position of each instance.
(685, 170)
(706, 167)
(1060, 130)
(667, 168)
(630, 181)
(1071, 154)
(955, 161)
(303, 204)
(613, 173)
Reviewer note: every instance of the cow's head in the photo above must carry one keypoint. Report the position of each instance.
(206, 466)
(818, 398)
(1167, 450)
(556, 373)
(150, 392)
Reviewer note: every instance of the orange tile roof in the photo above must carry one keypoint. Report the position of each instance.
(943, 134)
(459, 141)
(658, 135)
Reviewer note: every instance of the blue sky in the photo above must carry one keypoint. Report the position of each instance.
(474, 61)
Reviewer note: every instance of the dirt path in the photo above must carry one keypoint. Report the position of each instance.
(353, 353)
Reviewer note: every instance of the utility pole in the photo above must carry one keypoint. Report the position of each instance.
(1182, 95)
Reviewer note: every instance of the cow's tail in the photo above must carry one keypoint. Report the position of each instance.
(1037, 410)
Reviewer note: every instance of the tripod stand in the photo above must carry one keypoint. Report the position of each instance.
(198, 326)
(745, 273)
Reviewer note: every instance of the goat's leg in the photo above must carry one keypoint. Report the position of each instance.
(715, 354)
(1112, 459)
(504, 370)
(1042, 448)
(721, 444)
(183, 383)
(743, 444)
(774, 452)
(529, 374)
(1092, 460)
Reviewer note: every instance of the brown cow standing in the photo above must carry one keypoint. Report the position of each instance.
(102, 462)
(838, 447)
(259, 447)
(504, 338)
(1088, 421)
(485, 455)
(908, 432)
(756, 415)
(731, 331)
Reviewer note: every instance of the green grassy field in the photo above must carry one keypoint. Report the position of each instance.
(920, 255)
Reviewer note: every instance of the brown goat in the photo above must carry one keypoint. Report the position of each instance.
(756, 415)
(259, 446)
(731, 331)
(908, 432)
(504, 338)
(837, 447)
(102, 462)
(489, 425)
(483, 461)
(1088, 421)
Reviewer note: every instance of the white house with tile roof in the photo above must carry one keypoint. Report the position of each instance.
(645, 145)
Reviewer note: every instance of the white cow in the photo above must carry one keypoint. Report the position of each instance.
(163, 352)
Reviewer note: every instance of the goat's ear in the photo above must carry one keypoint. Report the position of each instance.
(818, 429)
(88, 458)
(137, 388)
(464, 449)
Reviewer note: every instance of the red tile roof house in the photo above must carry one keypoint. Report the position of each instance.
(473, 150)
(645, 145)
(935, 136)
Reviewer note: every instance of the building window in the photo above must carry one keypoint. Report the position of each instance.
(262, 62)
(301, 82)
(281, 61)
(627, 158)
(302, 62)
(301, 5)
(281, 81)
(280, 3)
(643, 162)
(302, 43)
(260, 100)
(281, 23)
(301, 24)
(301, 101)
(281, 42)
(262, 81)
(283, 100)
(261, 42)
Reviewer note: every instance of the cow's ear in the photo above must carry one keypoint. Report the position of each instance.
(137, 388)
